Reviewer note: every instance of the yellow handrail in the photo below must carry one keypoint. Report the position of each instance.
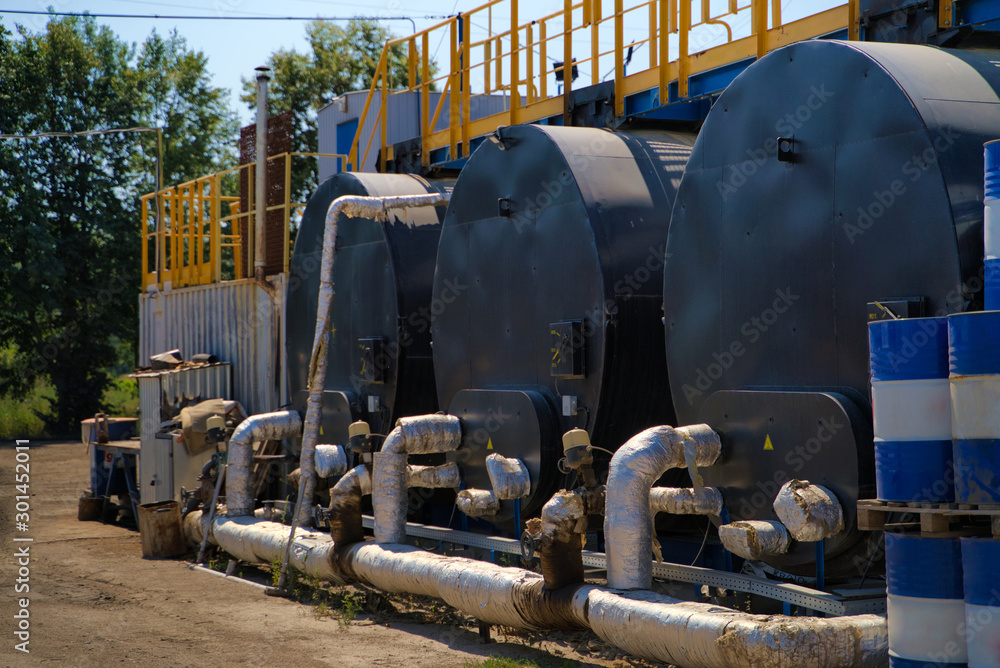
(197, 224)
(485, 65)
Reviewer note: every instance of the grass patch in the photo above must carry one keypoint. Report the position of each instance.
(25, 416)
(506, 662)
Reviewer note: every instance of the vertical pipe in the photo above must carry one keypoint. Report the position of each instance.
(260, 188)
(160, 252)
(288, 210)
(515, 68)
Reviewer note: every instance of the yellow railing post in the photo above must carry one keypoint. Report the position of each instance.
(664, 46)
(454, 94)
(775, 13)
(854, 18)
(530, 74)
(595, 47)
(567, 65)
(487, 62)
(412, 81)
(683, 60)
(216, 204)
(758, 10)
(499, 65)
(652, 46)
(384, 114)
(466, 82)
(515, 65)
(425, 102)
(619, 58)
(543, 59)
(144, 236)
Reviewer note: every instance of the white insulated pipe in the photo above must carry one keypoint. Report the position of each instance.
(422, 434)
(350, 206)
(263, 427)
(685, 500)
(628, 521)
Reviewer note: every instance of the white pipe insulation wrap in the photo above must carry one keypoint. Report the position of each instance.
(350, 206)
(330, 460)
(752, 539)
(254, 541)
(257, 428)
(809, 512)
(478, 502)
(433, 477)
(424, 434)
(659, 628)
(685, 501)
(509, 477)
(628, 518)
(699, 635)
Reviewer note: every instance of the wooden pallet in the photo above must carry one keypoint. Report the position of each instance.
(931, 519)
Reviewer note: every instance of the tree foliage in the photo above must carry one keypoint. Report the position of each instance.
(340, 60)
(69, 222)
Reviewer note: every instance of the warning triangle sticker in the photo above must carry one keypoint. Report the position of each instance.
(767, 443)
(489, 444)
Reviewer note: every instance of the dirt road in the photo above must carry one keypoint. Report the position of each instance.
(94, 601)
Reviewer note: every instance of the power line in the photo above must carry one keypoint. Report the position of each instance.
(221, 18)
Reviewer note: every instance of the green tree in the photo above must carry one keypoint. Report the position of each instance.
(199, 128)
(340, 59)
(69, 221)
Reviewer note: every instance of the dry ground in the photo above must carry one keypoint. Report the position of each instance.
(94, 601)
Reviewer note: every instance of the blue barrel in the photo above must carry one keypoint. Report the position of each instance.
(980, 557)
(974, 359)
(926, 609)
(991, 224)
(912, 409)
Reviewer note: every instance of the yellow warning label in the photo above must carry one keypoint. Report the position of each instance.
(489, 444)
(767, 443)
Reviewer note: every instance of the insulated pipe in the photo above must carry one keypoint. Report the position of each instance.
(648, 625)
(809, 512)
(424, 434)
(564, 521)
(350, 206)
(434, 477)
(628, 522)
(685, 501)
(264, 427)
(753, 539)
(345, 505)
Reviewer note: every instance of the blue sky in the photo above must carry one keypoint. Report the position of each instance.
(234, 48)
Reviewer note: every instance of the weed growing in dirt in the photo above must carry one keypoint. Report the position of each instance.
(350, 606)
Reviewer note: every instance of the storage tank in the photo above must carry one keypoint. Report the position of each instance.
(547, 295)
(379, 357)
(832, 183)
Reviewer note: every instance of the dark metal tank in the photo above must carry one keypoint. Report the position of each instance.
(380, 364)
(829, 176)
(547, 305)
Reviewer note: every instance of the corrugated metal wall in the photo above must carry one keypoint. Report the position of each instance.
(236, 321)
(404, 121)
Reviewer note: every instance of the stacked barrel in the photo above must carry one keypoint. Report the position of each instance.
(911, 402)
(991, 224)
